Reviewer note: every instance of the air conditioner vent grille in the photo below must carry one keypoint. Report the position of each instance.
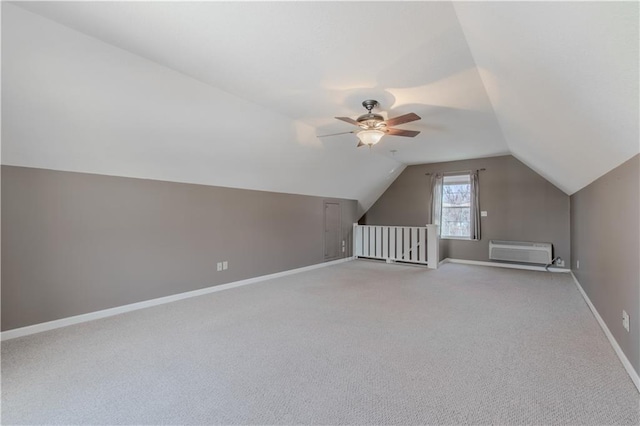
(520, 251)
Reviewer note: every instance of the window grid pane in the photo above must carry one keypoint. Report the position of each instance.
(456, 208)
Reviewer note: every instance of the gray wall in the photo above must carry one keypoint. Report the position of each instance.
(521, 206)
(74, 243)
(605, 238)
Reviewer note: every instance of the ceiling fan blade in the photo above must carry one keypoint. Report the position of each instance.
(400, 132)
(335, 134)
(359, 144)
(407, 118)
(349, 120)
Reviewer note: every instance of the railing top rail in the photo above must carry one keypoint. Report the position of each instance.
(396, 226)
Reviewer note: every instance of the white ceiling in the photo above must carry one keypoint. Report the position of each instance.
(563, 80)
(233, 94)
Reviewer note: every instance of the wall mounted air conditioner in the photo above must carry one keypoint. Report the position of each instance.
(520, 251)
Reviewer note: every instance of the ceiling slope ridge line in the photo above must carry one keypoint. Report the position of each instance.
(153, 61)
(484, 84)
(545, 176)
(178, 182)
(403, 167)
(606, 172)
(478, 157)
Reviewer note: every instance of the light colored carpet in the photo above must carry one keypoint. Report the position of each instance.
(356, 343)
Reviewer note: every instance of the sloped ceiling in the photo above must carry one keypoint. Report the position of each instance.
(234, 94)
(563, 80)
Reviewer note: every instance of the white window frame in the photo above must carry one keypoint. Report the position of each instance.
(452, 178)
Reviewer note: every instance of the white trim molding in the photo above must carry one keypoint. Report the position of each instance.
(77, 319)
(623, 358)
(506, 265)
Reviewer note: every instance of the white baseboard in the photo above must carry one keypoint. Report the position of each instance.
(505, 265)
(623, 358)
(77, 319)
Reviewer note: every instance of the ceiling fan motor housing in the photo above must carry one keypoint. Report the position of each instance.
(371, 121)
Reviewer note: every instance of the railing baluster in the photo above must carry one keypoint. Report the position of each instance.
(423, 245)
(413, 255)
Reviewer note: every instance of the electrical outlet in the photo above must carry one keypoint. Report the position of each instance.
(577, 264)
(219, 266)
(483, 213)
(225, 265)
(560, 263)
(625, 320)
(343, 249)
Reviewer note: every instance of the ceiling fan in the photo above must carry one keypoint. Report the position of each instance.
(373, 126)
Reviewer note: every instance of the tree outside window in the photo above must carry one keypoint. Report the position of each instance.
(456, 207)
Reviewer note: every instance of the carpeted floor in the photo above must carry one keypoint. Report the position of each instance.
(356, 343)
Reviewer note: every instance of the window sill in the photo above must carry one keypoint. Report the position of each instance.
(457, 238)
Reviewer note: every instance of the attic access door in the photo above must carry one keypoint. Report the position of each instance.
(332, 228)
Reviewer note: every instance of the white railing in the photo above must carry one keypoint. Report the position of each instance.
(413, 244)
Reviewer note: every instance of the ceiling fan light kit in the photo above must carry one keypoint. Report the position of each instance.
(374, 126)
(370, 137)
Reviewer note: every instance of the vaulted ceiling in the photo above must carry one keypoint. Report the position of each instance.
(234, 94)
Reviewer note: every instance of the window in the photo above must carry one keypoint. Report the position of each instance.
(455, 204)
(456, 207)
